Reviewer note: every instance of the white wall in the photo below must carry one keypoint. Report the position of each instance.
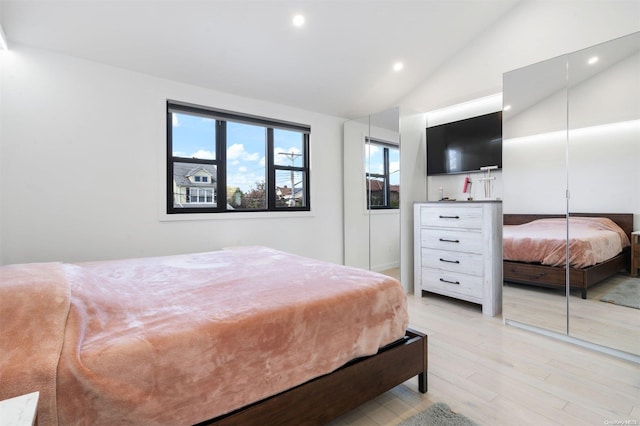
(82, 158)
(356, 219)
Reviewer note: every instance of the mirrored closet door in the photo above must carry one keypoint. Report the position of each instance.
(603, 94)
(571, 149)
(371, 172)
(534, 173)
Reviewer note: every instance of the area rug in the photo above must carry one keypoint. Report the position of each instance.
(625, 293)
(439, 414)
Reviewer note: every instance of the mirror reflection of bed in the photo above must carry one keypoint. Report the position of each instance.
(538, 293)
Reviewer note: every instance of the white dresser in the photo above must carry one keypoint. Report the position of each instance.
(458, 251)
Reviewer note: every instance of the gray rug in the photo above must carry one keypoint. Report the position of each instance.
(625, 293)
(438, 414)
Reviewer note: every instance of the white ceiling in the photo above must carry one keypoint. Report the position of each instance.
(339, 63)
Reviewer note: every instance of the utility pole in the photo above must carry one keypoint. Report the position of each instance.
(292, 157)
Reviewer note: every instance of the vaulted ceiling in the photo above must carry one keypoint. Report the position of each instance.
(339, 62)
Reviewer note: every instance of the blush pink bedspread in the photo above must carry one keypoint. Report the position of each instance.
(591, 240)
(179, 339)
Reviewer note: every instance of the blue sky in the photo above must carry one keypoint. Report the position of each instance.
(374, 152)
(194, 136)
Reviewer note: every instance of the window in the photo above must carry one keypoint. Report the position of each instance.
(383, 174)
(221, 161)
(200, 196)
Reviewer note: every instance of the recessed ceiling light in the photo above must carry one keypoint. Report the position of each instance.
(298, 20)
(593, 60)
(398, 66)
(506, 108)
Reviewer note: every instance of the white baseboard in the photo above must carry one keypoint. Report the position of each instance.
(385, 266)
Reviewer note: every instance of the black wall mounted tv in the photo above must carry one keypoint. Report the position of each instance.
(465, 146)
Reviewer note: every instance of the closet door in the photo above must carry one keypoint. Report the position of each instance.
(371, 175)
(604, 177)
(534, 180)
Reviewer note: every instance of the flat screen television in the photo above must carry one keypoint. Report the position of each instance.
(466, 145)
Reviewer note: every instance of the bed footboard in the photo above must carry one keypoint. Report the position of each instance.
(327, 397)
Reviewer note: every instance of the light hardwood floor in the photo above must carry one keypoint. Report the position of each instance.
(501, 375)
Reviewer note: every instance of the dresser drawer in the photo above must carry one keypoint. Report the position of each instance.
(448, 216)
(452, 240)
(452, 283)
(465, 263)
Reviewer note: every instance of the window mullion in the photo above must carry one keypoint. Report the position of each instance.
(170, 193)
(221, 166)
(305, 156)
(387, 188)
(270, 184)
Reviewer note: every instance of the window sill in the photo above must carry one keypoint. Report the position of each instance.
(376, 212)
(182, 217)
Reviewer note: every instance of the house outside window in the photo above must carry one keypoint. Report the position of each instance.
(382, 174)
(222, 161)
(193, 184)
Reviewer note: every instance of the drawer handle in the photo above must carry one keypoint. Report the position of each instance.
(448, 241)
(450, 282)
(449, 261)
(449, 217)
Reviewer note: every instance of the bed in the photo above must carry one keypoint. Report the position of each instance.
(248, 335)
(582, 274)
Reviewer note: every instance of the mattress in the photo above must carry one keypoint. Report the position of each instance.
(180, 339)
(592, 240)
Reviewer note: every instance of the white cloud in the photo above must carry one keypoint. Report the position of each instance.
(371, 149)
(242, 169)
(207, 155)
(174, 120)
(237, 152)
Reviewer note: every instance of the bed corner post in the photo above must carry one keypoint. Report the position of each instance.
(423, 384)
(423, 367)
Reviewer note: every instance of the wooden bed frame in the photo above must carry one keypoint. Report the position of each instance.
(327, 397)
(552, 276)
